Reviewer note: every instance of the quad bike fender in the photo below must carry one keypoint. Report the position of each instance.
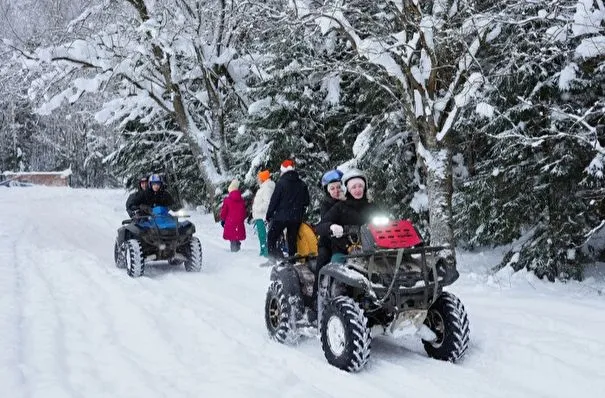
(127, 231)
(289, 278)
(291, 288)
(186, 227)
(450, 272)
(345, 275)
(133, 229)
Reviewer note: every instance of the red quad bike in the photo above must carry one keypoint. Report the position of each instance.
(390, 284)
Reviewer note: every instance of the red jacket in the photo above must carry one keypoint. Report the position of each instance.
(233, 213)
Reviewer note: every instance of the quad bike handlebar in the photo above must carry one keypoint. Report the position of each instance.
(347, 230)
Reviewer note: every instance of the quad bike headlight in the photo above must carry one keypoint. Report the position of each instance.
(180, 213)
(380, 221)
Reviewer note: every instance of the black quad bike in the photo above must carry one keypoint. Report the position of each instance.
(155, 237)
(390, 284)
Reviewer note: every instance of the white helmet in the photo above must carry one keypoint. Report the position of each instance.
(350, 174)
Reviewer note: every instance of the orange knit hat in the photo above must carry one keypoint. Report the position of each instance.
(264, 175)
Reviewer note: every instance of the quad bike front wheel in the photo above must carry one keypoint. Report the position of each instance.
(193, 256)
(447, 318)
(135, 265)
(345, 335)
(280, 315)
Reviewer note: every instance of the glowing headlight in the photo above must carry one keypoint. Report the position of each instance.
(180, 213)
(380, 221)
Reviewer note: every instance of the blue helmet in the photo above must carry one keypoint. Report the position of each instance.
(331, 176)
(155, 179)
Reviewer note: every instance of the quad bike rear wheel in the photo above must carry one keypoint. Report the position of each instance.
(345, 335)
(280, 316)
(448, 319)
(193, 256)
(135, 266)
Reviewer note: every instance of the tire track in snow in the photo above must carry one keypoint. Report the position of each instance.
(11, 311)
(71, 294)
(44, 330)
(178, 332)
(238, 329)
(134, 339)
(270, 357)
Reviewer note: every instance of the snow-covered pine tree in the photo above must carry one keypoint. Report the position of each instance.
(17, 125)
(311, 100)
(544, 115)
(300, 106)
(147, 152)
(425, 55)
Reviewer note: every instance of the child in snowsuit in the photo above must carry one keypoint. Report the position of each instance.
(233, 215)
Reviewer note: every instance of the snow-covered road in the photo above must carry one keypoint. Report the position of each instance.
(72, 325)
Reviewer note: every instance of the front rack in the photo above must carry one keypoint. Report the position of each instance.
(400, 255)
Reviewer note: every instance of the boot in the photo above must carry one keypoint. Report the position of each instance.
(235, 245)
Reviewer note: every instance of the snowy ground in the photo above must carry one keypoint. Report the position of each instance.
(72, 325)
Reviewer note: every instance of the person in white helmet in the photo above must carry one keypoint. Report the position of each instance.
(356, 210)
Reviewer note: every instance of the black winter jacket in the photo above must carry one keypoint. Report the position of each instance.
(349, 212)
(159, 198)
(134, 201)
(326, 204)
(289, 200)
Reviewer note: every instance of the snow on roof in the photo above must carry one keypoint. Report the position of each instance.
(63, 174)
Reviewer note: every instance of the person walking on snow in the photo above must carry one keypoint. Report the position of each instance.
(286, 210)
(260, 206)
(233, 216)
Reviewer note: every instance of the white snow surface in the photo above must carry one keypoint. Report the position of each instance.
(73, 325)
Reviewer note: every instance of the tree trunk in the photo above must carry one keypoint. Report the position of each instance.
(180, 112)
(438, 171)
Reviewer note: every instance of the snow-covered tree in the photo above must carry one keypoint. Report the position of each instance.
(540, 139)
(42, 143)
(423, 54)
(169, 65)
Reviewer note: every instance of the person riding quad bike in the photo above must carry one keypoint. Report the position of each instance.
(156, 195)
(382, 278)
(153, 234)
(136, 198)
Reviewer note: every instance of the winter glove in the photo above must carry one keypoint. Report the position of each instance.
(144, 209)
(223, 223)
(337, 230)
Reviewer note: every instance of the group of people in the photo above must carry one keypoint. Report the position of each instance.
(280, 206)
(150, 192)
